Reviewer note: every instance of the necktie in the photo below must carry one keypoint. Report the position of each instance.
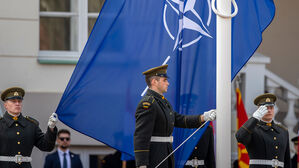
(64, 161)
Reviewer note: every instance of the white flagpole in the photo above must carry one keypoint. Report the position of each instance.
(223, 85)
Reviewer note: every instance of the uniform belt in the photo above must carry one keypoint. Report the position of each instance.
(17, 159)
(273, 162)
(162, 139)
(195, 162)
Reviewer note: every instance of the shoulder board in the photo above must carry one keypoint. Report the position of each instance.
(149, 99)
(283, 127)
(32, 120)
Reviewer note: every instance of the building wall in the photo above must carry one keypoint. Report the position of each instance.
(281, 41)
(44, 83)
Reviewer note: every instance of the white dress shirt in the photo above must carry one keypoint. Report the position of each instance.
(68, 157)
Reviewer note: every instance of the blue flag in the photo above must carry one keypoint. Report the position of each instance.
(131, 36)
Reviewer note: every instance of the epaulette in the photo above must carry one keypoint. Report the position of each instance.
(150, 99)
(147, 101)
(283, 127)
(32, 120)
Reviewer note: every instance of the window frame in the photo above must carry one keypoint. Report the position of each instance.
(68, 57)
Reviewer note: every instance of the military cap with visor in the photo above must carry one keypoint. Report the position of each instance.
(160, 71)
(267, 99)
(295, 140)
(13, 93)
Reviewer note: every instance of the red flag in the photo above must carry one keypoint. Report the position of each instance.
(243, 158)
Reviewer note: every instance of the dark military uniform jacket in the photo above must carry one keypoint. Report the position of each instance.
(265, 142)
(294, 161)
(155, 117)
(204, 150)
(18, 138)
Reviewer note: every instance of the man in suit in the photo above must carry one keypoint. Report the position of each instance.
(155, 120)
(63, 158)
(295, 157)
(19, 134)
(203, 154)
(267, 142)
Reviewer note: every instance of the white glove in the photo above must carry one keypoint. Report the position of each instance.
(260, 112)
(52, 120)
(209, 115)
(142, 167)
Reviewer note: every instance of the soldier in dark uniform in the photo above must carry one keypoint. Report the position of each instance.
(203, 154)
(295, 157)
(267, 143)
(18, 134)
(155, 120)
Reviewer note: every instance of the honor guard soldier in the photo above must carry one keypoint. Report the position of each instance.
(295, 157)
(155, 120)
(18, 134)
(267, 143)
(203, 154)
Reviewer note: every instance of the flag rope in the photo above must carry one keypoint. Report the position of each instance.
(182, 144)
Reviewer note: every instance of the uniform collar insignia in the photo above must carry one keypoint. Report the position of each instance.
(267, 126)
(9, 120)
(155, 94)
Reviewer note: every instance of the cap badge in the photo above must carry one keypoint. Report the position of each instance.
(16, 94)
(268, 100)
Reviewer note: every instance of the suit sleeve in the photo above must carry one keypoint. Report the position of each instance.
(145, 121)
(48, 163)
(79, 165)
(187, 121)
(77, 161)
(210, 159)
(244, 134)
(45, 142)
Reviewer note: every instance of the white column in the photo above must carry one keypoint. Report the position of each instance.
(255, 80)
(290, 119)
(223, 121)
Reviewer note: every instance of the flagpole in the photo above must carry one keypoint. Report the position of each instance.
(223, 85)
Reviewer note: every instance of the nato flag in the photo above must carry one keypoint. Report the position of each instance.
(131, 36)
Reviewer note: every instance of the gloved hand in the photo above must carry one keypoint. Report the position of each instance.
(260, 112)
(209, 115)
(52, 120)
(142, 167)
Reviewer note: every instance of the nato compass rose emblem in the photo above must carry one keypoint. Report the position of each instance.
(190, 21)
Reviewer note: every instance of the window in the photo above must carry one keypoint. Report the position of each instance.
(64, 28)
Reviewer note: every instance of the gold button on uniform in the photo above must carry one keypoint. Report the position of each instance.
(19, 142)
(17, 124)
(272, 129)
(18, 133)
(195, 147)
(19, 153)
(276, 157)
(276, 147)
(274, 138)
